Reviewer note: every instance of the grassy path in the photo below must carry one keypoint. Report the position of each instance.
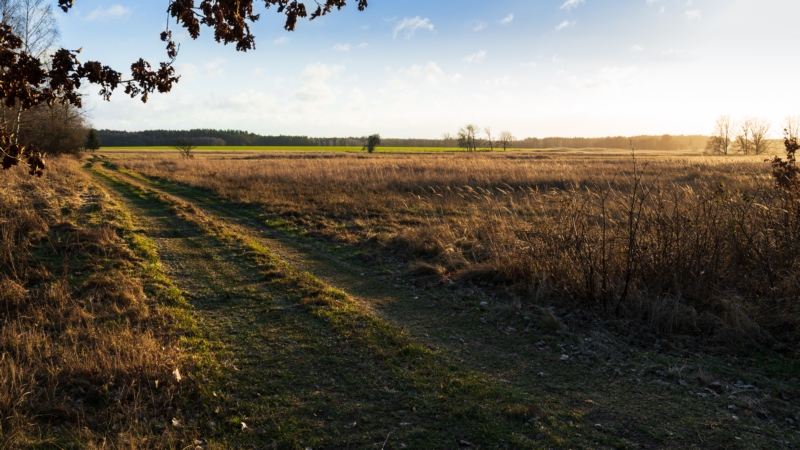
(632, 399)
(307, 368)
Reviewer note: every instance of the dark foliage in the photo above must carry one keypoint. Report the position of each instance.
(372, 142)
(92, 141)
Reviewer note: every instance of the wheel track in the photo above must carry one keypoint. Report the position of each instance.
(251, 319)
(505, 357)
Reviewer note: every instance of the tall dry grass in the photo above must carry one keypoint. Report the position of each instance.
(693, 245)
(80, 353)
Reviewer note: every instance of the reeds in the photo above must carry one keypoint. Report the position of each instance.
(693, 245)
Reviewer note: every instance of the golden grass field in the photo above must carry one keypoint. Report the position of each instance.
(689, 244)
(560, 299)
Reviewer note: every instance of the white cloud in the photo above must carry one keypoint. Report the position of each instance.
(637, 48)
(528, 64)
(315, 88)
(504, 81)
(430, 73)
(673, 52)
(556, 59)
(507, 19)
(112, 12)
(409, 26)
(693, 14)
(342, 47)
(570, 4)
(475, 57)
(215, 67)
(363, 45)
(565, 24)
(478, 26)
(281, 40)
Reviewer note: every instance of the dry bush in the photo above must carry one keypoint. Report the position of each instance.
(694, 245)
(80, 363)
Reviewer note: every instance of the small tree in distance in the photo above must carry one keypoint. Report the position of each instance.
(372, 142)
(185, 148)
(467, 138)
(506, 139)
(92, 141)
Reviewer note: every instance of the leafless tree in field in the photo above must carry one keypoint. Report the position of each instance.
(467, 138)
(488, 131)
(792, 127)
(742, 140)
(506, 139)
(720, 141)
(759, 129)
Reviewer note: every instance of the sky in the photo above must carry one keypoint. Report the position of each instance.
(422, 68)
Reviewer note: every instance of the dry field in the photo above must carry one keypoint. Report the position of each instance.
(83, 350)
(688, 245)
(391, 301)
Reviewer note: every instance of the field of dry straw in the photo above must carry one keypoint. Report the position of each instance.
(702, 246)
(82, 348)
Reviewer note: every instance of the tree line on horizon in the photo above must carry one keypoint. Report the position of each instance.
(238, 138)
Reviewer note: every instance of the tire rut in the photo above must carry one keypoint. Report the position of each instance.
(290, 378)
(436, 320)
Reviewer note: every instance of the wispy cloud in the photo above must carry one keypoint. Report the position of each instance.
(315, 88)
(215, 67)
(570, 4)
(281, 40)
(693, 14)
(475, 57)
(409, 26)
(636, 48)
(112, 12)
(429, 73)
(478, 26)
(507, 19)
(565, 24)
(342, 47)
(528, 64)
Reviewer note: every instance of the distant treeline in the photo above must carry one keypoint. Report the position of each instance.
(665, 142)
(160, 138)
(237, 138)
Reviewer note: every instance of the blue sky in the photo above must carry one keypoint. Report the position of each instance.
(421, 68)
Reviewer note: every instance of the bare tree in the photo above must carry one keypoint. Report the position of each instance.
(506, 139)
(488, 131)
(34, 22)
(720, 141)
(792, 127)
(742, 140)
(759, 129)
(467, 138)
